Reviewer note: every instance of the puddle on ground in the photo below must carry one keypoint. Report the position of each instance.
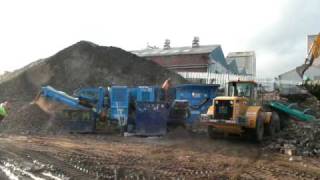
(13, 170)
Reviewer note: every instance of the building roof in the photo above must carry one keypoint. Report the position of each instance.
(176, 51)
(241, 54)
(218, 56)
(232, 66)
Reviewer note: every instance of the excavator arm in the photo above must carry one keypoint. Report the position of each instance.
(313, 54)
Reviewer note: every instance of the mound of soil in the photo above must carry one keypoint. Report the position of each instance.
(83, 64)
(30, 119)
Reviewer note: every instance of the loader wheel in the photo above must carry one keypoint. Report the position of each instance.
(284, 120)
(271, 128)
(276, 118)
(259, 130)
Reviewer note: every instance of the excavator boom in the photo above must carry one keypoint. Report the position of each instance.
(313, 54)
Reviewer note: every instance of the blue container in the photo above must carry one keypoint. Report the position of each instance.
(151, 119)
(133, 93)
(146, 94)
(119, 103)
(199, 96)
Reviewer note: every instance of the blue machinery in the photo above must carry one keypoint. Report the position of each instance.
(142, 109)
(61, 97)
(119, 104)
(198, 96)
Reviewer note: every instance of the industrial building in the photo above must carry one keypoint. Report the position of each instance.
(244, 61)
(195, 58)
(312, 73)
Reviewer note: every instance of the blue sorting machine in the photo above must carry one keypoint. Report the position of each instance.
(145, 93)
(198, 96)
(148, 114)
(119, 104)
(83, 109)
(151, 119)
(145, 109)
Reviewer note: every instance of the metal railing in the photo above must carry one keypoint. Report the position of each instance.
(269, 84)
(222, 79)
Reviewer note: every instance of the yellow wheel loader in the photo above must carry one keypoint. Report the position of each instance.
(241, 112)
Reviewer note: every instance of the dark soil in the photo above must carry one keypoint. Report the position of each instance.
(31, 119)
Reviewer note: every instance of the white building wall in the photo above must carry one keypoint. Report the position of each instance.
(244, 60)
(223, 79)
(293, 77)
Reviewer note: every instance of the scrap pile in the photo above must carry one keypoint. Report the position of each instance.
(301, 139)
(313, 87)
(313, 104)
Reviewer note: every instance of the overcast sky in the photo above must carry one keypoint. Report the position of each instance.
(275, 29)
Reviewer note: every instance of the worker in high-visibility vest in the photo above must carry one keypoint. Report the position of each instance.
(3, 110)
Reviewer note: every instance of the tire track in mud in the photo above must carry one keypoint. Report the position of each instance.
(252, 162)
(38, 164)
(265, 170)
(89, 158)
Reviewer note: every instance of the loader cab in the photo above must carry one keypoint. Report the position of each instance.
(247, 89)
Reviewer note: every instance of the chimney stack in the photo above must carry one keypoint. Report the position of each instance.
(166, 44)
(195, 42)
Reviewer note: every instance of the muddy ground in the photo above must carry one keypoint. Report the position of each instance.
(114, 157)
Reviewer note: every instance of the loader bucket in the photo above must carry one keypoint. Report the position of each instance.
(301, 69)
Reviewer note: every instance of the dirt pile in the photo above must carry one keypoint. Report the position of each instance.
(298, 139)
(83, 64)
(30, 119)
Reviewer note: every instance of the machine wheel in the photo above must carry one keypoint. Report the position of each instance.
(259, 130)
(276, 118)
(271, 128)
(284, 120)
(274, 126)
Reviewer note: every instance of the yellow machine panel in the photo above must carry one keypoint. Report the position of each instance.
(268, 116)
(240, 112)
(210, 110)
